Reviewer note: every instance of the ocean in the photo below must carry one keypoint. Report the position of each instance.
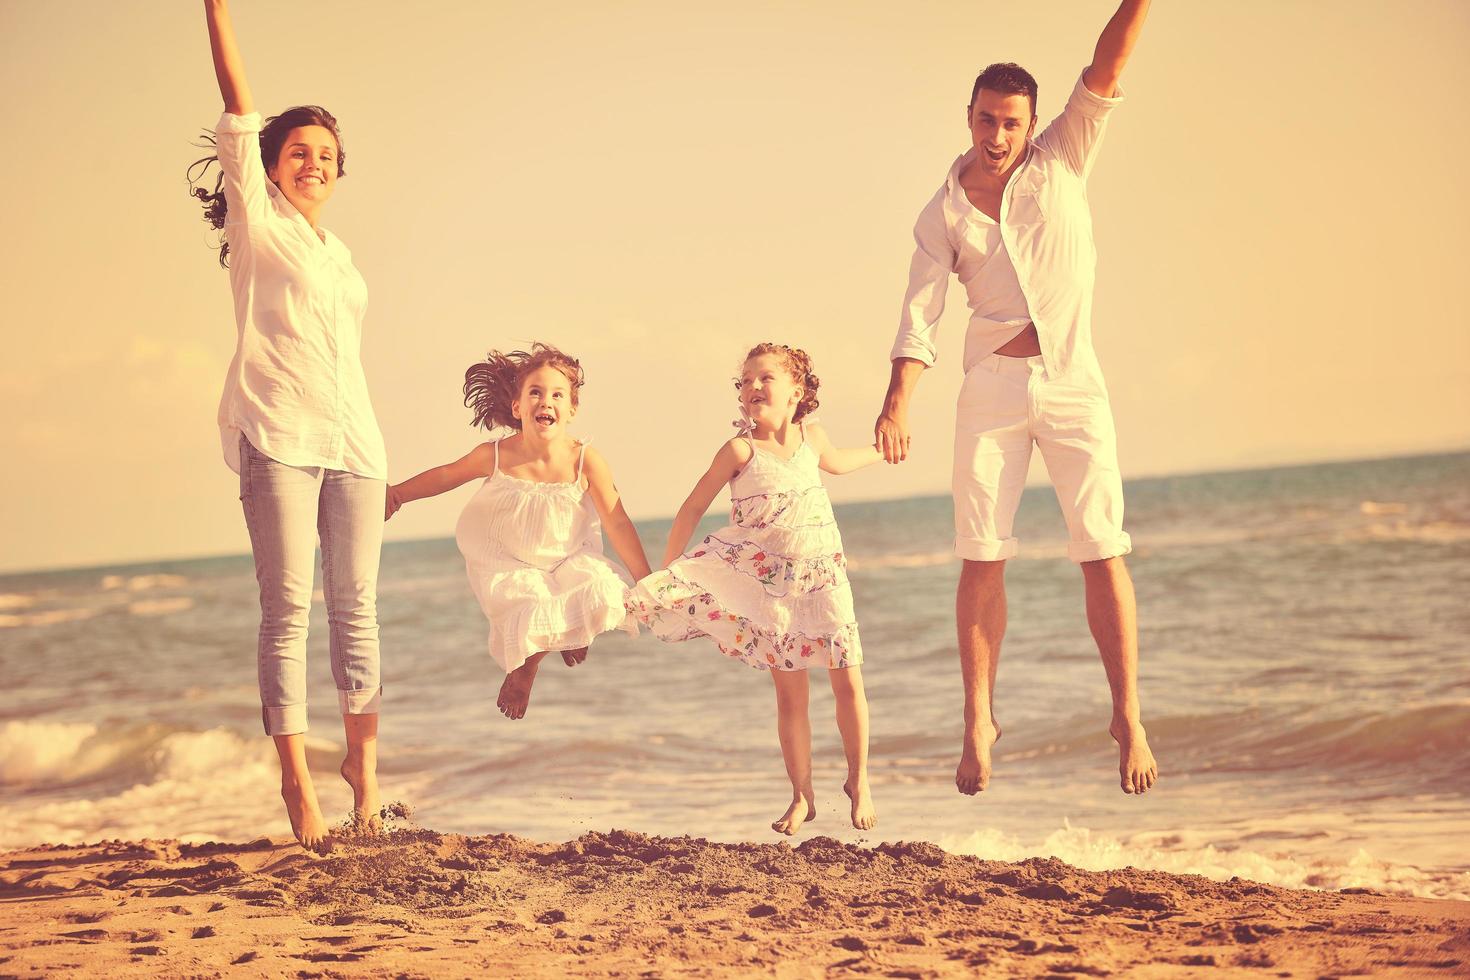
(1303, 674)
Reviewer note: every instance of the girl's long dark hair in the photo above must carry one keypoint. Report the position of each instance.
(491, 385)
(272, 137)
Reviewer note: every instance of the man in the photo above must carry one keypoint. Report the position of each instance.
(1012, 220)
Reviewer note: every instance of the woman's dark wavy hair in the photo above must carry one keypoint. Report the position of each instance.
(491, 385)
(798, 364)
(272, 138)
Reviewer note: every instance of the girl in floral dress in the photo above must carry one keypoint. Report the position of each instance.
(771, 588)
(531, 536)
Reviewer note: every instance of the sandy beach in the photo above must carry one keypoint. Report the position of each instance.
(420, 903)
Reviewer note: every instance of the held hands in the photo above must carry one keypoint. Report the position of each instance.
(395, 500)
(892, 432)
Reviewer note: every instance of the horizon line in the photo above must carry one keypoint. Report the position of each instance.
(213, 556)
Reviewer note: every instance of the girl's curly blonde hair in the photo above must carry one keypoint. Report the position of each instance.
(799, 364)
(492, 385)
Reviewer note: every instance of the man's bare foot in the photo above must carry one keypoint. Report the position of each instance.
(307, 822)
(973, 773)
(864, 816)
(367, 805)
(515, 693)
(1136, 766)
(573, 657)
(799, 812)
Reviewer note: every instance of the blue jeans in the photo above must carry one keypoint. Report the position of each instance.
(288, 509)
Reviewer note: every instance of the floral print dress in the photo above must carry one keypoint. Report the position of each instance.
(770, 588)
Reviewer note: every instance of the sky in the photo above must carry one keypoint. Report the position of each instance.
(1279, 208)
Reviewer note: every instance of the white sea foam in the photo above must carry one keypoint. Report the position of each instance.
(1178, 854)
(45, 617)
(16, 600)
(189, 785)
(160, 607)
(918, 560)
(142, 583)
(187, 755)
(1431, 532)
(42, 751)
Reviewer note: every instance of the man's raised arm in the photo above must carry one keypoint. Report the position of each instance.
(1113, 48)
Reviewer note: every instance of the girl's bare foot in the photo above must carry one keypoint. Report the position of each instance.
(367, 805)
(515, 693)
(799, 812)
(973, 773)
(573, 657)
(307, 822)
(864, 816)
(1137, 769)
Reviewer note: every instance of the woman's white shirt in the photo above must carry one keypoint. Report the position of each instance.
(296, 387)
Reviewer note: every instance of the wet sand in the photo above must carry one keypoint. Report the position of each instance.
(419, 903)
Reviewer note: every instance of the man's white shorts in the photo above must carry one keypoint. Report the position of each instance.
(1006, 404)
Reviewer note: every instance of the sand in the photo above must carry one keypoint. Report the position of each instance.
(419, 903)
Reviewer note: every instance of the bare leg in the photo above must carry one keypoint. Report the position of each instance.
(360, 769)
(1112, 613)
(515, 693)
(852, 722)
(573, 657)
(980, 614)
(794, 726)
(297, 790)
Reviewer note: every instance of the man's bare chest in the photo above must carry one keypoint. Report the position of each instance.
(986, 200)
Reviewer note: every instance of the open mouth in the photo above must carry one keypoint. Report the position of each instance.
(996, 156)
(544, 418)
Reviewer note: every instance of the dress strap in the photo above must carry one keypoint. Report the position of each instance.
(495, 464)
(580, 457)
(747, 429)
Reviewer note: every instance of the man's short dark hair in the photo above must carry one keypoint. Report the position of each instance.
(1007, 79)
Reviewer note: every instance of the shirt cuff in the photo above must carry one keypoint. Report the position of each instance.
(916, 351)
(1089, 103)
(229, 123)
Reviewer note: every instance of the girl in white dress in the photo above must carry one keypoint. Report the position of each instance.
(531, 536)
(771, 587)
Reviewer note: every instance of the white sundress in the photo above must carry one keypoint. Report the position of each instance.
(771, 587)
(533, 553)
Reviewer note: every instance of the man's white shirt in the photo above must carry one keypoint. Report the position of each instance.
(1036, 264)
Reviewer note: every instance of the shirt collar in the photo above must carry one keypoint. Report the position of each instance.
(952, 179)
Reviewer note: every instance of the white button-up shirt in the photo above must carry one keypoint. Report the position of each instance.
(295, 387)
(1045, 231)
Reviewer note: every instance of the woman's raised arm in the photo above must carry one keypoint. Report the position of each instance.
(229, 69)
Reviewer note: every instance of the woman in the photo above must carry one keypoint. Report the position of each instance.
(297, 425)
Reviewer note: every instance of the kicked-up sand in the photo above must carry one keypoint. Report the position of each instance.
(418, 903)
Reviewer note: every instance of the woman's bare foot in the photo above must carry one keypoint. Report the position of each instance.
(864, 816)
(307, 822)
(367, 805)
(1136, 766)
(515, 693)
(973, 773)
(799, 812)
(573, 657)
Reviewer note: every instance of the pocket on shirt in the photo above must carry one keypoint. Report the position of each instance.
(1026, 209)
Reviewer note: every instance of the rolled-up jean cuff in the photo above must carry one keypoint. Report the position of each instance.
(1081, 551)
(986, 549)
(287, 719)
(360, 702)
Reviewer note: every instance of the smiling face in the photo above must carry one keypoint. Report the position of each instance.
(545, 405)
(999, 127)
(769, 394)
(306, 168)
